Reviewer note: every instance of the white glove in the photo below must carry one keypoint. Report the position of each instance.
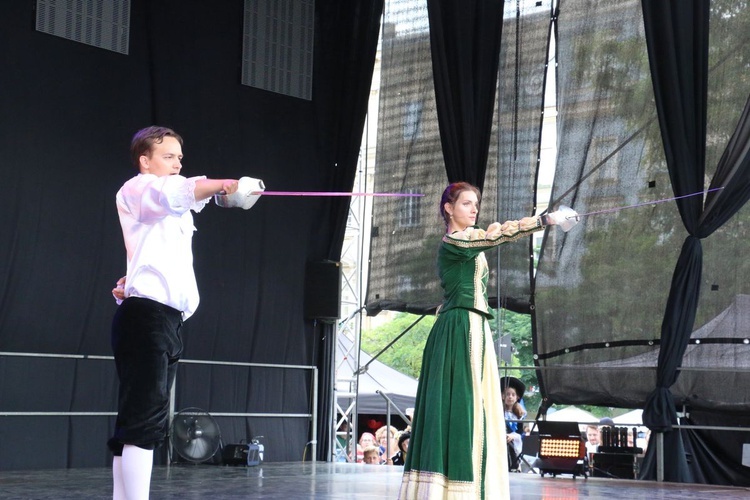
(564, 217)
(243, 197)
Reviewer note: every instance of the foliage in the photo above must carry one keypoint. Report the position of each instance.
(518, 326)
(406, 354)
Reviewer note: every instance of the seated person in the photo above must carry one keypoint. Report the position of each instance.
(592, 438)
(385, 438)
(512, 392)
(365, 441)
(403, 447)
(371, 455)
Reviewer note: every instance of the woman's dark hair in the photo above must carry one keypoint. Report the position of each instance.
(518, 410)
(403, 437)
(451, 194)
(145, 138)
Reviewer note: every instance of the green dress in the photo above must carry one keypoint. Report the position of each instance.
(457, 448)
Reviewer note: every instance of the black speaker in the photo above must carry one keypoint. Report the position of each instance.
(234, 454)
(323, 291)
(615, 465)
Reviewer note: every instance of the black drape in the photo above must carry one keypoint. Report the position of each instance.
(677, 41)
(341, 105)
(340, 109)
(69, 112)
(465, 45)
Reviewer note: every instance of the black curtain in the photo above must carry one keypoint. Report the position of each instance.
(677, 41)
(711, 455)
(426, 141)
(69, 110)
(341, 104)
(465, 45)
(340, 111)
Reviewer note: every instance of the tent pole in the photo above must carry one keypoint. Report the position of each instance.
(314, 439)
(660, 457)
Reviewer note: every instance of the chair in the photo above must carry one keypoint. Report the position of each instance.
(530, 448)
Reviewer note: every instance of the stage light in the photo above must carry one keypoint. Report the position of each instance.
(561, 449)
(558, 447)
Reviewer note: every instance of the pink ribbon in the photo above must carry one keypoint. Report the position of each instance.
(329, 193)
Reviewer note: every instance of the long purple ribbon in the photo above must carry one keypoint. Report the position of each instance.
(329, 193)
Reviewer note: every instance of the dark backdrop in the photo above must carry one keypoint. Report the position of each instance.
(68, 112)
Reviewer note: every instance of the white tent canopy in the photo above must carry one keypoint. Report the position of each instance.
(572, 414)
(732, 322)
(634, 418)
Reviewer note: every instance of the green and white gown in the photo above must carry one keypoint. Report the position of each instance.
(457, 448)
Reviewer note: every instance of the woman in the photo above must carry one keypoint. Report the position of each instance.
(513, 411)
(457, 447)
(403, 448)
(365, 441)
(385, 439)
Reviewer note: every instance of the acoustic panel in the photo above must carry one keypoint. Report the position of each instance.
(277, 48)
(104, 24)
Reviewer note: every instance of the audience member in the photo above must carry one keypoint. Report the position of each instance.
(592, 438)
(403, 448)
(385, 438)
(371, 455)
(366, 440)
(512, 392)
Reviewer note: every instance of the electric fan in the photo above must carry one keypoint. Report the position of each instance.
(195, 435)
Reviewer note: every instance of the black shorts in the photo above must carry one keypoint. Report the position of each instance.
(147, 345)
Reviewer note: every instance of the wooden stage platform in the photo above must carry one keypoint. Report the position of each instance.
(305, 480)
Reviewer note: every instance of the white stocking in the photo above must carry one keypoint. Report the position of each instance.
(136, 471)
(118, 487)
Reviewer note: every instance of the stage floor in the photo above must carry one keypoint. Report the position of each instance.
(304, 480)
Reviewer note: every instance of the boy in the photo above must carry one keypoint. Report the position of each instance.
(371, 455)
(159, 294)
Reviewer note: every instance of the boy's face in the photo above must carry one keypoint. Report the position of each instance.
(165, 158)
(372, 459)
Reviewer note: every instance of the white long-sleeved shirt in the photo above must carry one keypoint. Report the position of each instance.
(157, 227)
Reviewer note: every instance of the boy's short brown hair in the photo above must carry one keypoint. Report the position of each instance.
(145, 138)
(370, 450)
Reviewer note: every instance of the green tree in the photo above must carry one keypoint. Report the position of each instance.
(518, 326)
(406, 354)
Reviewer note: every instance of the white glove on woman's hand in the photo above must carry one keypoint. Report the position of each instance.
(242, 198)
(564, 217)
